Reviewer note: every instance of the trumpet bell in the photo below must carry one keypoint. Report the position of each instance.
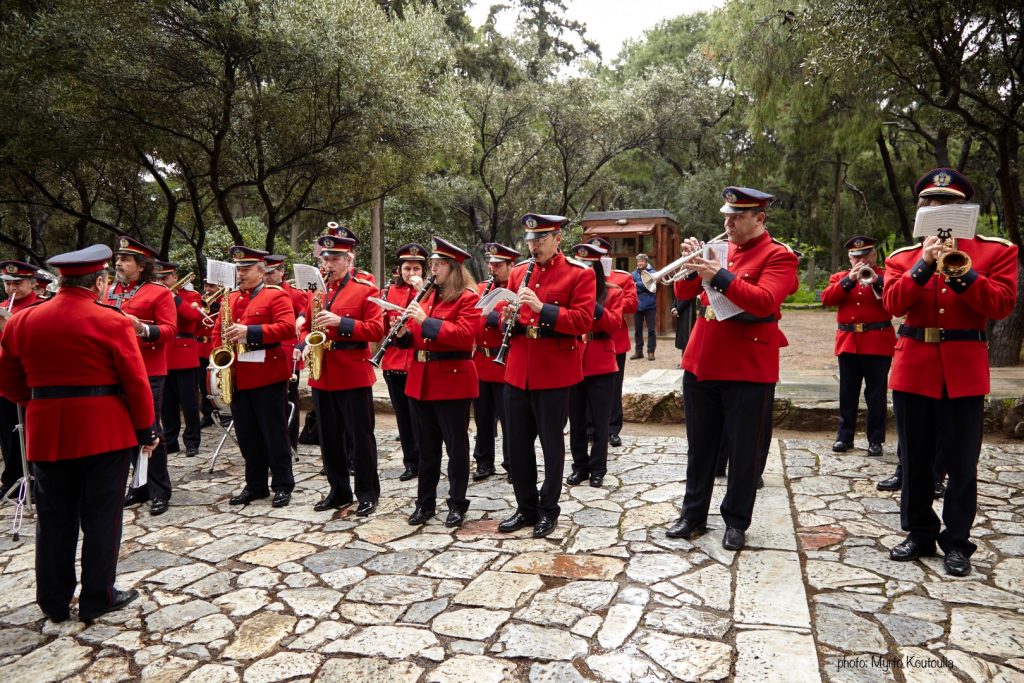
(954, 264)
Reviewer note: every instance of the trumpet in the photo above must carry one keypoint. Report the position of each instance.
(953, 263)
(212, 296)
(676, 270)
(182, 282)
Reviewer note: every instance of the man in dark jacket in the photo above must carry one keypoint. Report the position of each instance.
(645, 312)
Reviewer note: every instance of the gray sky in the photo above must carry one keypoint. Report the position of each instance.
(609, 22)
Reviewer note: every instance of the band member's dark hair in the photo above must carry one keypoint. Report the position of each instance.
(602, 291)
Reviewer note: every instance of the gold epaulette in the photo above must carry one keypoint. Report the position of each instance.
(274, 287)
(158, 284)
(574, 262)
(788, 248)
(363, 282)
(998, 240)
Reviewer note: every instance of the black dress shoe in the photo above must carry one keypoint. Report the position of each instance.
(893, 483)
(483, 471)
(173, 448)
(136, 496)
(874, 449)
(420, 515)
(686, 528)
(366, 507)
(281, 498)
(121, 598)
(206, 422)
(158, 506)
(409, 473)
(734, 538)
(637, 356)
(516, 522)
(191, 452)
(57, 618)
(910, 550)
(246, 497)
(614, 440)
(940, 491)
(842, 446)
(333, 501)
(575, 478)
(596, 480)
(957, 563)
(544, 526)
(455, 519)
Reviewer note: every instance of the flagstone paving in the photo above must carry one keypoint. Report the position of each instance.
(260, 594)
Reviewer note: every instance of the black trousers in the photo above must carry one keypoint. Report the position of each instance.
(765, 441)
(293, 423)
(444, 422)
(729, 415)
(395, 380)
(10, 444)
(158, 481)
(205, 406)
(873, 372)
(594, 395)
(615, 422)
(533, 414)
(640, 319)
(260, 416)
(488, 411)
(344, 418)
(88, 494)
(180, 398)
(923, 424)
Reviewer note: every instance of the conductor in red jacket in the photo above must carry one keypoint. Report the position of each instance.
(940, 371)
(545, 359)
(442, 379)
(89, 408)
(261, 318)
(343, 394)
(864, 343)
(731, 365)
(180, 395)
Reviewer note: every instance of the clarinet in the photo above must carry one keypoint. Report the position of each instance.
(489, 287)
(513, 317)
(393, 332)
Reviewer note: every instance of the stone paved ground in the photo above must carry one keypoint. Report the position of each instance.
(259, 594)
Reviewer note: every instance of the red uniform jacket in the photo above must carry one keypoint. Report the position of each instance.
(624, 280)
(450, 327)
(153, 304)
(546, 352)
(929, 299)
(745, 348)
(21, 304)
(396, 357)
(488, 341)
(181, 351)
(271, 320)
(599, 353)
(860, 304)
(300, 302)
(37, 350)
(347, 364)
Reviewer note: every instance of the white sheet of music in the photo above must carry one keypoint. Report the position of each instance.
(723, 308)
(221, 273)
(952, 220)
(308, 277)
(257, 356)
(141, 475)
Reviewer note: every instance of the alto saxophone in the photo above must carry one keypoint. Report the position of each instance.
(223, 357)
(316, 338)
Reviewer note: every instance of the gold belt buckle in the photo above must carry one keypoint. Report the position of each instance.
(858, 327)
(709, 313)
(533, 332)
(421, 355)
(933, 335)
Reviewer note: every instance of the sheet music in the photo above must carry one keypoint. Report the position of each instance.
(493, 298)
(723, 308)
(308, 277)
(386, 305)
(951, 220)
(141, 470)
(257, 356)
(221, 273)
(606, 265)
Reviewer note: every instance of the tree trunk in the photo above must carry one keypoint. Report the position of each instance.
(1008, 334)
(377, 240)
(836, 197)
(894, 190)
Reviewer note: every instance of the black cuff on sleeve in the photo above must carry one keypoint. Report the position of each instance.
(403, 342)
(722, 279)
(598, 311)
(549, 315)
(691, 277)
(877, 285)
(430, 328)
(960, 284)
(152, 333)
(254, 334)
(145, 436)
(847, 284)
(922, 272)
(177, 300)
(346, 326)
(493, 320)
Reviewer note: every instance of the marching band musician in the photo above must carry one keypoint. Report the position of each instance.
(595, 394)
(624, 280)
(204, 345)
(545, 359)
(261, 318)
(489, 407)
(79, 463)
(343, 394)
(42, 284)
(150, 307)
(864, 343)
(731, 366)
(180, 396)
(335, 230)
(442, 380)
(395, 364)
(300, 300)
(19, 280)
(940, 371)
